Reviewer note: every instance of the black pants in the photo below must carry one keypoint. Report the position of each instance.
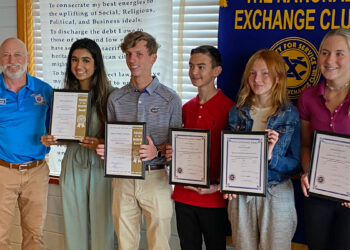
(195, 222)
(327, 224)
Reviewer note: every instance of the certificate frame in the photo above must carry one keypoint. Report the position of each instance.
(179, 171)
(131, 167)
(327, 169)
(236, 179)
(81, 117)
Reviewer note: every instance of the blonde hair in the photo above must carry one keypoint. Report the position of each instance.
(337, 32)
(276, 67)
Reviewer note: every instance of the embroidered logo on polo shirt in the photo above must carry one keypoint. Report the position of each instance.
(39, 99)
(2, 101)
(154, 109)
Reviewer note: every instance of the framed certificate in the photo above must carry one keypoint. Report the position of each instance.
(244, 163)
(122, 144)
(69, 114)
(329, 175)
(190, 159)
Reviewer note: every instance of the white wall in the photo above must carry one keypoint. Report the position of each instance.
(8, 23)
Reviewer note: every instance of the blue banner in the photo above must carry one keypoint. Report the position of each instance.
(294, 28)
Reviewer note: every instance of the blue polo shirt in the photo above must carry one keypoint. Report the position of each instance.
(24, 118)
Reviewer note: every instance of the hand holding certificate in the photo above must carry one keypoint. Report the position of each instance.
(69, 115)
(190, 159)
(329, 174)
(122, 145)
(244, 163)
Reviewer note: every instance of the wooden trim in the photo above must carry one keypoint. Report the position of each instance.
(298, 246)
(25, 29)
(54, 180)
(21, 20)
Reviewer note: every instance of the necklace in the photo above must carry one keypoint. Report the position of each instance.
(337, 88)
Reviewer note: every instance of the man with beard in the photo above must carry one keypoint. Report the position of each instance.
(24, 117)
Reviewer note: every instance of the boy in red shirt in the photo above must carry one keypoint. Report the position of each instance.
(202, 212)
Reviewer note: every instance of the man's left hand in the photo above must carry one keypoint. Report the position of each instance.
(148, 151)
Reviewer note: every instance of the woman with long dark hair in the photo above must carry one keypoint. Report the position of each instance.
(86, 194)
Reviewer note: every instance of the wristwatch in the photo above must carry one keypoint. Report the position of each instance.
(159, 152)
